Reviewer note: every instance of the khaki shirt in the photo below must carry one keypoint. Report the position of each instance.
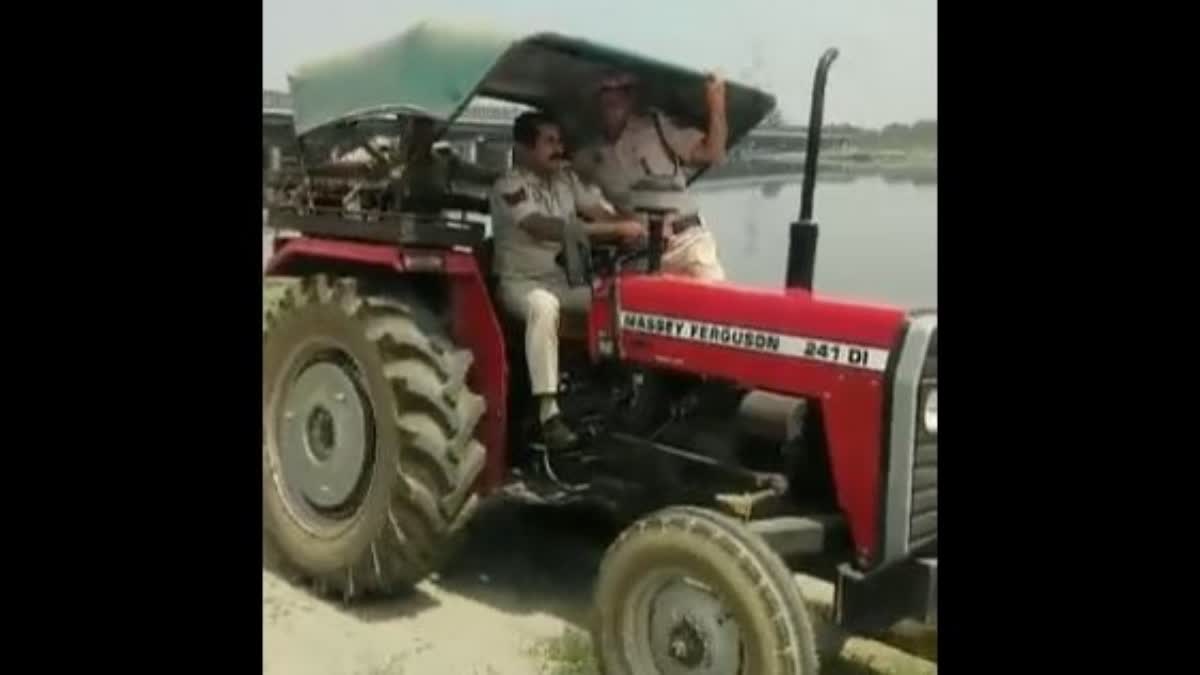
(520, 193)
(638, 153)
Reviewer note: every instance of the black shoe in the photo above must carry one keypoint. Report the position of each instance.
(557, 436)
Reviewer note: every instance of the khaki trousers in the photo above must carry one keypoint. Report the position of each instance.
(539, 305)
(693, 254)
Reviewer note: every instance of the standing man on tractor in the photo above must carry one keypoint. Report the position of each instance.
(638, 145)
(533, 208)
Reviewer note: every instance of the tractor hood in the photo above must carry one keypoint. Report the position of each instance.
(690, 305)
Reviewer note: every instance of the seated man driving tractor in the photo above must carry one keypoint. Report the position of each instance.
(533, 206)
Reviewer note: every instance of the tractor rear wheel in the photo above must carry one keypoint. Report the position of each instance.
(369, 458)
(689, 590)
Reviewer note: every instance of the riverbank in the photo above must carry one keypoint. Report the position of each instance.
(918, 167)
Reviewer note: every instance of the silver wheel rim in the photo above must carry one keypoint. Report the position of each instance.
(324, 437)
(681, 627)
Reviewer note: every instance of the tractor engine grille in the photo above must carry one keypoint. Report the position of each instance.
(923, 514)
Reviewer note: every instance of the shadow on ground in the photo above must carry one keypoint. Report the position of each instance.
(522, 559)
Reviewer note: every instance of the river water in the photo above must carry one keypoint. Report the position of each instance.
(878, 240)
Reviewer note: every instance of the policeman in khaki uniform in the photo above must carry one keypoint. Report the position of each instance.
(649, 145)
(532, 206)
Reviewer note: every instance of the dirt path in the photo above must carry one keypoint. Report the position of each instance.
(524, 577)
(437, 632)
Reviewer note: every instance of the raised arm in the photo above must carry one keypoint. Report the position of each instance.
(699, 148)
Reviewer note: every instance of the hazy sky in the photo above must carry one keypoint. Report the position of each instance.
(887, 70)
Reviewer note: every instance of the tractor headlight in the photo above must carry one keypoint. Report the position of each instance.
(929, 411)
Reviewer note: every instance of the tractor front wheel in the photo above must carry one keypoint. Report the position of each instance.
(689, 590)
(369, 457)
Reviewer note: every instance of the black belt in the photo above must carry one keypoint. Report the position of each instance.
(686, 223)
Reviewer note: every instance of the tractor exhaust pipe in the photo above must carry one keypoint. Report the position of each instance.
(802, 243)
(816, 116)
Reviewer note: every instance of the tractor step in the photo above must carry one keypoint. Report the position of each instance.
(534, 489)
(568, 471)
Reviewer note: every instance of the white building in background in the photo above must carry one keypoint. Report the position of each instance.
(473, 142)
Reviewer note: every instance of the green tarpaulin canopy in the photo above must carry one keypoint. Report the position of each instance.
(435, 68)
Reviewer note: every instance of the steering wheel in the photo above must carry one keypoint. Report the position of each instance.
(608, 258)
(655, 243)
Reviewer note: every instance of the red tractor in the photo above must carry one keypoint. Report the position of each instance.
(745, 430)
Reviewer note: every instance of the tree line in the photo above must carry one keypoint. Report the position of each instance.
(920, 134)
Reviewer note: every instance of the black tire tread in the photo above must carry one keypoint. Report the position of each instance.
(438, 461)
(769, 575)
